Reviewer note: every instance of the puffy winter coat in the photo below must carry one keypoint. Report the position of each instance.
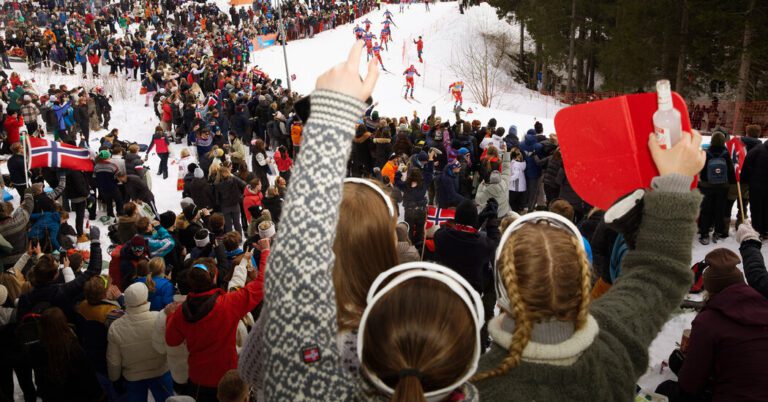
(130, 352)
(497, 187)
(532, 151)
(201, 192)
(727, 344)
(447, 194)
(229, 191)
(251, 197)
(12, 126)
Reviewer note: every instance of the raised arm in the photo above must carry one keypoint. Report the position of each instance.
(301, 360)
(655, 275)
(752, 258)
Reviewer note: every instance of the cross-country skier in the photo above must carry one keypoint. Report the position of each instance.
(426, 4)
(409, 79)
(359, 32)
(456, 89)
(419, 48)
(385, 37)
(367, 23)
(377, 53)
(402, 6)
(388, 19)
(368, 38)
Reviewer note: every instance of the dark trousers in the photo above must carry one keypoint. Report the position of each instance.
(14, 362)
(113, 197)
(163, 169)
(201, 393)
(517, 200)
(79, 209)
(713, 210)
(20, 189)
(416, 217)
(532, 192)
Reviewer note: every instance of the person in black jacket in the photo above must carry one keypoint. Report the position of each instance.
(16, 169)
(229, 195)
(82, 119)
(137, 189)
(47, 289)
(201, 191)
(752, 258)
(755, 173)
(76, 192)
(715, 194)
(361, 157)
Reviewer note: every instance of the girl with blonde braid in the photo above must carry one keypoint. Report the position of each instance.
(550, 341)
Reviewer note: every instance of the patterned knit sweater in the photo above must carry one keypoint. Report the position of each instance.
(293, 352)
(603, 364)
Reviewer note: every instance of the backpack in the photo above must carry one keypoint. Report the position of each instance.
(717, 169)
(27, 331)
(698, 277)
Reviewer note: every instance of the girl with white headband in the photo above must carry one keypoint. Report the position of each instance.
(418, 333)
(550, 342)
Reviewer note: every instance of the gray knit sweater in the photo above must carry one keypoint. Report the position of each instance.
(608, 357)
(293, 352)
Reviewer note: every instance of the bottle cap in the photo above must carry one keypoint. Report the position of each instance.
(664, 93)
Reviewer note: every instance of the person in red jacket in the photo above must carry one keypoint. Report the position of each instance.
(283, 162)
(207, 322)
(419, 47)
(13, 122)
(93, 60)
(160, 144)
(167, 118)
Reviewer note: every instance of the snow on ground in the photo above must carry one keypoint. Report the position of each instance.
(442, 29)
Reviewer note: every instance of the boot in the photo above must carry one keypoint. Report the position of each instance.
(704, 239)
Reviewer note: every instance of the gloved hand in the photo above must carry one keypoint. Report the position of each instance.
(625, 215)
(94, 234)
(746, 232)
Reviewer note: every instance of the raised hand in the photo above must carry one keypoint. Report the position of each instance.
(344, 78)
(686, 157)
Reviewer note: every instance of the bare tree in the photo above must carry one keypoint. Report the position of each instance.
(481, 64)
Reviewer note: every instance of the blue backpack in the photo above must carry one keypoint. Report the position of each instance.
(717, 168)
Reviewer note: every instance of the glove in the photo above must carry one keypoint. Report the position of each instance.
(746, 232)
(94, 234)
(625, 215)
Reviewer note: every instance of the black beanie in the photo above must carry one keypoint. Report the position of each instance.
(538, 127)
(466, 214)
(167, 219)
(191, 167)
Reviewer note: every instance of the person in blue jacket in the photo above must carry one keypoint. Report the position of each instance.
(532, 151)
(448, 195)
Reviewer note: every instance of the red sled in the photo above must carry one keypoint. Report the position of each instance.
(605, 145)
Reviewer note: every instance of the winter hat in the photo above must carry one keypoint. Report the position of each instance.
(538, 127)
(186, 201)
(27, 98)
(266, 229)
(402, 230)
(463, 151)
(167, 219)
(453, 165)
(530, 132)
(375, 115)
(466, 214)
(392, 156)
(202, 238)
(199, 173)
(721, 270)
(423, 157)
(512, 130)
(191, 168)
(499, 132)
(3, 294)
(138, 244)
(104, 154)
(262, 98)
(403, 127)
(190, 211)
(136, 295)
(492, 123)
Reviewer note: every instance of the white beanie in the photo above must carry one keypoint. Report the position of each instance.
(186, 201)
(3, 295)
(199, 173)
(266, 229)
(136, 294)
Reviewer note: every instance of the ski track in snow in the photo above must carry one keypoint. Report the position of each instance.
(442, 29)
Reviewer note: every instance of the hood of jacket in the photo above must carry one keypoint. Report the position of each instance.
(742, 304)
(495, 177)
(197, 306)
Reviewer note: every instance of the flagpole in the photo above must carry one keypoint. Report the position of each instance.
(25, 147)
(424, 240)
(741, 202)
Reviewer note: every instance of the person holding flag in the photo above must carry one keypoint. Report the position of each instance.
(737, 148)
(456, 90)
(419, 48)
(409, 79)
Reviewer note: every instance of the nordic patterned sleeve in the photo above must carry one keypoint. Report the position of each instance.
(300, 359)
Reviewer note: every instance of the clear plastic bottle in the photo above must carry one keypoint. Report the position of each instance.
(666, 121)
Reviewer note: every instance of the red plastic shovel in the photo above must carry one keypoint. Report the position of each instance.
(605, 145)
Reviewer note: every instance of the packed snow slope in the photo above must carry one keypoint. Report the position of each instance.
(444, 30)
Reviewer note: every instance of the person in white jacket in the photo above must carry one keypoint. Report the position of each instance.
(497, 186)
(130, 353)
(517, 184)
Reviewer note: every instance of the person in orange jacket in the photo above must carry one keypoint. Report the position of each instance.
(390, 168)
(296, 130)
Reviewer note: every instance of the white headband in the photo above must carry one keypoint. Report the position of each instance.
(387, 199)
(533, 217)
(455, 283)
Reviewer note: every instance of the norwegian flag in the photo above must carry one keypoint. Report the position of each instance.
(213, 100)
(438, 216)
(738, 154)
(45, 153)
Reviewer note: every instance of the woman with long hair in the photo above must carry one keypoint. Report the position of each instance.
(62, 369)
(301, 294)
(260, 162)
(550, 339)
